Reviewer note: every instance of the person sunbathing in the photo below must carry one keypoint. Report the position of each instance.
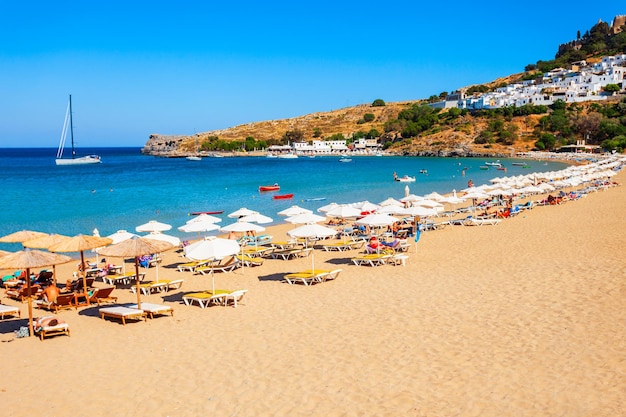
(393, 244)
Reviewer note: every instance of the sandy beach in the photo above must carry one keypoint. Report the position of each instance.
(525, 318)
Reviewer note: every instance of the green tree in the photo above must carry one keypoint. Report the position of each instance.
(378, 103)
(612, 88)
(369, 117)
(317, 132)
(293, 136)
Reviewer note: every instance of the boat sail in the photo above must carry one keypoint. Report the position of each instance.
(74, 160)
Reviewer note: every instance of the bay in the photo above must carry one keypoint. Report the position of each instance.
(128, 188)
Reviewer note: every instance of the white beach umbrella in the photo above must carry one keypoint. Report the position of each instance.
(212, 248)
(120, 236)
(390, 209)
(427, 203)
(377, 220)
(327, 207)
(153, 226)
(391, 202)
(198, 227)
(410, 198)
(204, 218)
(256, 218)
(241, 212)
(305, 218)
(163, 237)
(366, 206)
(420, 211)
(242, 227)
(312, 231)
(434, 196)
(343, 211)
(294, 211)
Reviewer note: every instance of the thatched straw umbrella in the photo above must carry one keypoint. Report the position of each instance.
(27, 259)
(136, 247)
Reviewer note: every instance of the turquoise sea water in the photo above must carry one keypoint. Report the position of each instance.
(129, 189)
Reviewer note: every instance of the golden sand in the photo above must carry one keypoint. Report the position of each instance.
(525, 318)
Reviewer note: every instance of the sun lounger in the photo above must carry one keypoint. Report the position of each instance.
(122, 313)
(249, 260)
(6, 310)
(343, 246)
(221, 266)
(473, 221)
(148, 288)
(306, 278)
(24, 293)
(292, 253)
(65, 301)
(192, 266)
(256, 251)
(154, 309)
(234, 297)
(205, 298)
(103, 295)
(50, 326)
(372, 259)
(174, 284)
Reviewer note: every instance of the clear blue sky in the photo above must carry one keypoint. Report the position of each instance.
(135, 68)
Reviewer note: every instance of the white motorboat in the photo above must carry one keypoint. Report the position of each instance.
(494, 164)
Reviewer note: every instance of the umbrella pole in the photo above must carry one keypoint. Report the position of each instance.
(137, 282)
(30, 304)
(82, 267)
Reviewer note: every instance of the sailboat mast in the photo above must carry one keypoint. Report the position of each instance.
(72, 129)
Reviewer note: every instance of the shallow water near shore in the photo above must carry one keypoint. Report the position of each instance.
(129, 189)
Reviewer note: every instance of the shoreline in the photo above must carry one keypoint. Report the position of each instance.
(523, 318)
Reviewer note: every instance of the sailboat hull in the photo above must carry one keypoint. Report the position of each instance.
(83, 160)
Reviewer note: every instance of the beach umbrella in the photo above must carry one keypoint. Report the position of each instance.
(241, 212)
(312, 231)
(327, 207)
(344, 211)
(81, 243)
(391, 202)
(204, 218)
(411, 198)
(242, 227)
(27, 259)
(153, 226)
(377, 220)
(305, 218)
(120, 236)
(136, 247)
(45, 242)
(22, 236)
(198, 227)
(390, 209)
(294, 211)
(434, 196)
(415, 211)
(366, 206)
(163, 237)
(256, 218)
(212, 248)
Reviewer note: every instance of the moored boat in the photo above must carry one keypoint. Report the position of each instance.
(345, 159)
(274, 187)
(494, 164)
(68, 124)
(282, 196)
(405, 178)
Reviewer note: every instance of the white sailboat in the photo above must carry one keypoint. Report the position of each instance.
(74, 160)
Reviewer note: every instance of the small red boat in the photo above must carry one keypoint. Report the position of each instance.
(197, 213)
(274, 187)
(282, 196)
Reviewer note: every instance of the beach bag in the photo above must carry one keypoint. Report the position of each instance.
(22, 332)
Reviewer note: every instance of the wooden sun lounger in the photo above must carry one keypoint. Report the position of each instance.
(6, 310)
(154, 309)
(47, 330)
(122, 313)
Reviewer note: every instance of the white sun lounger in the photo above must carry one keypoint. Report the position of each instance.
(152, 309)
(122, 313)
(472, 221)
(9, 311)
